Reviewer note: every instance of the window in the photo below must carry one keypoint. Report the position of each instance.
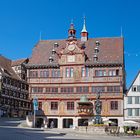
(129, 112)
(37, 89)
(40, 89)
(33, 74)
(55, 73)
(100, 73)
(54, 105)
(69, 72)
(70, 105)
(84, 89)
(34, 89)
(27, 87)
(4, 80)
(51, 89)
(54, 90)
(138, 88)
(70, 89)
(112, 73)
(48, 89)
(116, 88)
(113, 89)
(44, 73)
(67, 90)
(137, 101)
(134, 88)
(129, 100)
(79, 89)
(137, 112)
(114, 105)
(110, 89)
(96, 89)
(21, 96)
(85, 72)
(40, 105)
(117, 72)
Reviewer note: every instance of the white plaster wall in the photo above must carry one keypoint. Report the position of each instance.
(133, 105)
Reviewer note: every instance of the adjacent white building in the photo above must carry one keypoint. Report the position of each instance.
(132, 101)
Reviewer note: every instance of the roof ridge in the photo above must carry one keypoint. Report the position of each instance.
(79, 38)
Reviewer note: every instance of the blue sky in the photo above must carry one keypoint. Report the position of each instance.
(22, 20)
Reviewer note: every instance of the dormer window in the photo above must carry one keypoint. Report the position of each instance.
(134, 88)
(96, 50)
(50, 59)
(95, 58)
(53, 51)
(56, 45)
(97, 43)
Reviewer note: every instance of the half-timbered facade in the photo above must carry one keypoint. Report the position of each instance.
(14, 95)
(60, 72)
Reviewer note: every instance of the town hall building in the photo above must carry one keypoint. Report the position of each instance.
(66, 75)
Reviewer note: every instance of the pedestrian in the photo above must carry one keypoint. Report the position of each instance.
(52, 124)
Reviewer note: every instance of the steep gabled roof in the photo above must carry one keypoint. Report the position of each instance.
(6, 69)
(133, 82)
(110, 50)
(19, 61)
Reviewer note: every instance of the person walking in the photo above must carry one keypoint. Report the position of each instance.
(52, 124)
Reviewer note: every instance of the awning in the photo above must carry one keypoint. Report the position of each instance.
(131, 123)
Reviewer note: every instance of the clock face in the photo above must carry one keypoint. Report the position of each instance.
(71, 47)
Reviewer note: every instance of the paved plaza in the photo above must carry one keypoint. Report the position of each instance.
(9, 130)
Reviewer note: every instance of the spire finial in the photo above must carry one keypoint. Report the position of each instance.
(71, 31)
(84, 17)
(84, 33)
(84, 24)
(71, 24)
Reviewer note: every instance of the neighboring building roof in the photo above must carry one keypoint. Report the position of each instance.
(110, 51)
(19, 62)
(6, 69)
(133, 82)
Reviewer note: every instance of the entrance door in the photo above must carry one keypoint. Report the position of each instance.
(39, 122)
(82, 122)
(67, 123)
(52, 123)
(114, 122)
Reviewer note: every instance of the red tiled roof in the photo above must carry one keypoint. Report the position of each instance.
(110, 50)
(19, 62)
(6, 69)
